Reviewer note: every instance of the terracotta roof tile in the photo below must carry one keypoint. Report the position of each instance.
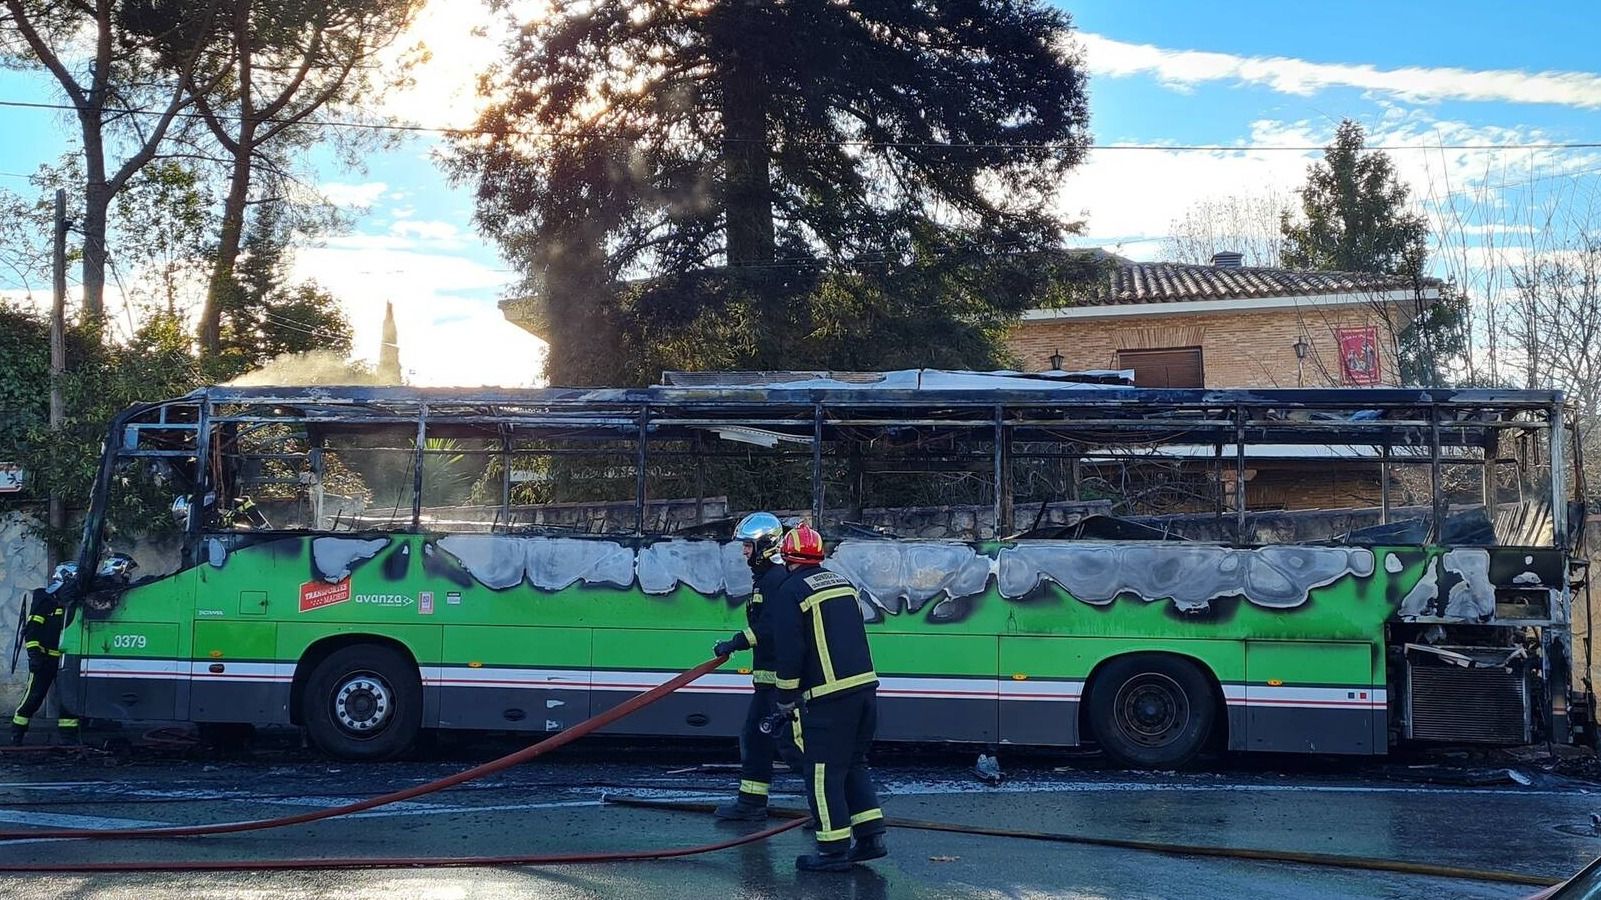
(1131, 282)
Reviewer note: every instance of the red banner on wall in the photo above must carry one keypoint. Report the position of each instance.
(1359, 354)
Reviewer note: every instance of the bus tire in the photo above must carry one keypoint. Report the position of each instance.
(363, 702)
(1152, 711)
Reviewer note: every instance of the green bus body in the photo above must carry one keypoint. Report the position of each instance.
(225, 643)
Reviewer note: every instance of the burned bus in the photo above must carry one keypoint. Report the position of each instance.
(1041, 560)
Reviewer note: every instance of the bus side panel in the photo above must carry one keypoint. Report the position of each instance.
(234, 676)
(1043, 679)
(134, 671)
(1311, 697)
(133, 659)
(518, 678)
(1039, 697)
(631, 661)
(936, 687)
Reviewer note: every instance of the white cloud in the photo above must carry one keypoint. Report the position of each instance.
(433, 231)
(1130, 195)
(1134, 194)
(341, 193)
(451, 332)
(1186, 68)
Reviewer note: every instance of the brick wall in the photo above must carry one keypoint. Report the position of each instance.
(1239, 349)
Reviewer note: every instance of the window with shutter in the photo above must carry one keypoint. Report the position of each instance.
(1175, 367)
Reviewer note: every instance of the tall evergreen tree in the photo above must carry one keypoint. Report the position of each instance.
(265, 316)
(1356, 216)
(784, 141)
(1354, 213)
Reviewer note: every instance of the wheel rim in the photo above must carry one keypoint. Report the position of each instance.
(1151, 710)
(363, 705)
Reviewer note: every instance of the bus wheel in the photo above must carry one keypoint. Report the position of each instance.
(1151, 711)
(363, 703)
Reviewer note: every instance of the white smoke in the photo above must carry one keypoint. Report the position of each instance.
(315, 368)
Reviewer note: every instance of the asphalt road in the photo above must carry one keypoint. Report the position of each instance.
(555, 806)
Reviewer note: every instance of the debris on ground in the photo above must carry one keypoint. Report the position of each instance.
(706, 767)
(989, 769)
(943, 858)
(1464, 777)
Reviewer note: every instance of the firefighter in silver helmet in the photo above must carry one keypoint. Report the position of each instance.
(760, 534)
(41, 636)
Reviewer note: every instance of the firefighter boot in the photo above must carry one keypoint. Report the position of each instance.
(745, 808)
(835, 861)
(868, 846)
(17, 732)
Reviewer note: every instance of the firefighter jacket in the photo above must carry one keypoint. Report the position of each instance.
(758, 635)
(820, 641)
(47, 613)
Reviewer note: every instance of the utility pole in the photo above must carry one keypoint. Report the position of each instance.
(58, 362)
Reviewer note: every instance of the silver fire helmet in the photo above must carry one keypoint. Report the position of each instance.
(118, 565)
(64, 573)
(757, 526)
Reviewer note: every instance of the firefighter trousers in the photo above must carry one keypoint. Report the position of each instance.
(756, 749)
(836, 734)
(42, 669)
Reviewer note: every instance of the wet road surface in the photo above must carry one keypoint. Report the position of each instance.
(557, 806)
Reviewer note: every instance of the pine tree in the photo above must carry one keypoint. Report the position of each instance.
(262, 315)
(789, 144)
(1355, 215)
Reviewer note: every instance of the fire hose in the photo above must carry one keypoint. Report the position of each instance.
(796, 819)
(627, 707)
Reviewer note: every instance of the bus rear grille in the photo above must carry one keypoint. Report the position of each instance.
(1448, 703)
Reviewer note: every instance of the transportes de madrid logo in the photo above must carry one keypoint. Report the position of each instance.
(316, 595)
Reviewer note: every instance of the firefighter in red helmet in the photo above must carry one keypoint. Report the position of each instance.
(825, 668)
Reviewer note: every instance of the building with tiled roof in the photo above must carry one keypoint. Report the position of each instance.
(1226, 325)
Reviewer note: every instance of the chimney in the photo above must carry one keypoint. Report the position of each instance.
(1227, 259)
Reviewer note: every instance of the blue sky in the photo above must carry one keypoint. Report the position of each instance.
(1246, 74)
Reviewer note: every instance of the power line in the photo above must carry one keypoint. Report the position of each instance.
(909, 145)
(292, 325)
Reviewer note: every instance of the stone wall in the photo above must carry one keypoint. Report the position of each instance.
(971, 523)
(590, 517)
(22, 568)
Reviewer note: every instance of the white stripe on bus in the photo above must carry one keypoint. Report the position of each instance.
(610, 681)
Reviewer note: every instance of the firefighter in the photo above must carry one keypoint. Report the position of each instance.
(41, 636)
(759, 533)
(823, 661)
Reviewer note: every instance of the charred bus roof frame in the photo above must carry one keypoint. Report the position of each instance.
(1422, 422)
